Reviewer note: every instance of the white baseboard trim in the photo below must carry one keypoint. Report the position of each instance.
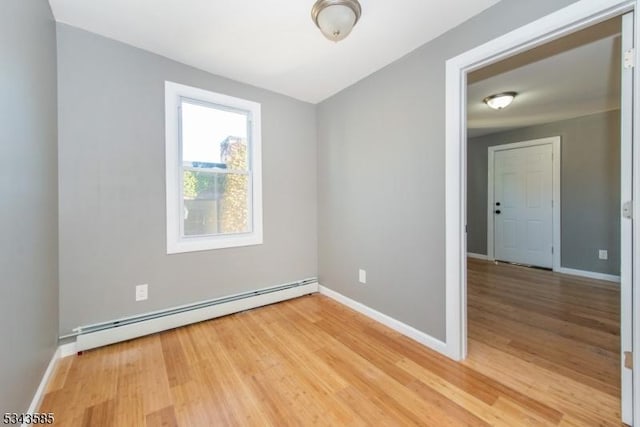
(42, 387)
(589, 274)
(398, 326)
(68, 349)
(477, 256)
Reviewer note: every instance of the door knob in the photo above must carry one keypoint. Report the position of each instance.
(498, 212)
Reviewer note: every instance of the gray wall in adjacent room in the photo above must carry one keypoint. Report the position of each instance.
(589, 185)
(381, 171)
(29, 207)
(112, 187)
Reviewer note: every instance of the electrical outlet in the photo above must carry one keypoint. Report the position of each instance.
(362, 276)
(142, 292)
(603, 254)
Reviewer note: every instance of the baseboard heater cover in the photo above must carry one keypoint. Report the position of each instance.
(101, 334)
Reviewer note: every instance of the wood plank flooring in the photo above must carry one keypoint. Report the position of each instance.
(543, 351)
(551, 336)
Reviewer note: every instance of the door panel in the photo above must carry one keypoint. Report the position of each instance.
(535, 236)
(510, 235)
(523, 211)
(534, 190)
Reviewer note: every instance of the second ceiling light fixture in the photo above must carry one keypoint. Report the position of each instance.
(500, 101)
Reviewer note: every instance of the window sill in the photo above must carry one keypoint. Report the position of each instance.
(195, 244)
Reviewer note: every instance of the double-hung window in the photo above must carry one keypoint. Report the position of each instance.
(214, 188)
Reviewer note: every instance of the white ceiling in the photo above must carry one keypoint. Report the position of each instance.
(582, 80)
(271, 44)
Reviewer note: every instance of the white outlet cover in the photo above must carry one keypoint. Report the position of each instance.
(142, 292)
(603, 254)
(362, 276)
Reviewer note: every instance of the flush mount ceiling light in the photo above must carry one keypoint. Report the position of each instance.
(500, 100)
(336, 18)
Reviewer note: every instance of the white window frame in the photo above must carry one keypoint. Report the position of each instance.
(176, 241)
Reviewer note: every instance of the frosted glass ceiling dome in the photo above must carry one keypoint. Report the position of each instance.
(500, 100)
(336, 18)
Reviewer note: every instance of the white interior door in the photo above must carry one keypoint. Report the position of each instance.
(626, 223)
(523, 205)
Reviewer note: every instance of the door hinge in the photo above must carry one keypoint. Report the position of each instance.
(551, 249)
(628, 359)
(629, 58)
(627, 210)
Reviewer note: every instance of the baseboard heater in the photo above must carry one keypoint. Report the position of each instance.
(101, 334)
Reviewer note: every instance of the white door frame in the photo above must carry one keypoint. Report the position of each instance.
(578, 15)
(555, 216)
(626, 226)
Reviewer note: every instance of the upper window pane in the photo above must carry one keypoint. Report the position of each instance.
(214, 137)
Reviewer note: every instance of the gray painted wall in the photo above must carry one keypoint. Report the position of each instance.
(381, 171)
(589, 185)
(29, 207)
(112, 187)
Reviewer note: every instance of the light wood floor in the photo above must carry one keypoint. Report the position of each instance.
(543, 351)
(553, 337)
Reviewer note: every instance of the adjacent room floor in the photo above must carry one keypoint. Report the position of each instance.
(543, 350)
(553, 337)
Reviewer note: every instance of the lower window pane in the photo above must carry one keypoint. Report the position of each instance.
(215, 203)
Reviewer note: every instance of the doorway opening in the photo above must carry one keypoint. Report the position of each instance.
(563, 328)
(570, 20)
